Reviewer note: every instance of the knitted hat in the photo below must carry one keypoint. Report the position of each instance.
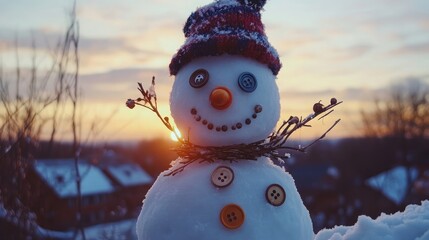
(226, 27)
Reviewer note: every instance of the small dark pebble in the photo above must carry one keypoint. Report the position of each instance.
(258, 108)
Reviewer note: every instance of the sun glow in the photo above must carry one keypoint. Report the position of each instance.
(175, 134)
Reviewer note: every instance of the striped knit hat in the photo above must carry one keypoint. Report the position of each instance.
(226, 27)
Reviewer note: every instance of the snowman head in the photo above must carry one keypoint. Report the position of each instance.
(225, 91)
(224, 100)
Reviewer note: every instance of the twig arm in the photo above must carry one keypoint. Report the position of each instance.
(268, 147)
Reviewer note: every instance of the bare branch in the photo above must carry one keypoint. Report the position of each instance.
(268, 147)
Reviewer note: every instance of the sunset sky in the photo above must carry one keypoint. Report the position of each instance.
(352, 50)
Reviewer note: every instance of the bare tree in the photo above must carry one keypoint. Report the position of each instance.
(401, 121)
(21, 124)
(30, 107)
(404, 114)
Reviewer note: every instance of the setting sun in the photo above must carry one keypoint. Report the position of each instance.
(175, 134)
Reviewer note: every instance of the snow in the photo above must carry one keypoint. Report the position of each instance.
(258, 38)
(129, 174)
(51, 234)
(220, 4)
(333, 172)
(393, 183)
(188, 205)
(413, 223)
(42, 233)
(60, 175)
(122, 230)
(183, 98)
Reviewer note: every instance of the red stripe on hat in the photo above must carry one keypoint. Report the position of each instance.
(246, 21)
(228, 44)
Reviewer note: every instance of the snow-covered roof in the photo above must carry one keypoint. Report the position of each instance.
(129, 174)
(393, 183)
(60, 175)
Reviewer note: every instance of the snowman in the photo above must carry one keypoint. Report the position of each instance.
(225, 94)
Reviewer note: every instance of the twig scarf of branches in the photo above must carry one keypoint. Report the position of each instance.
(268, 147)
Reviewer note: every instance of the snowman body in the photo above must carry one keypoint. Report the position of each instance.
(218, 101)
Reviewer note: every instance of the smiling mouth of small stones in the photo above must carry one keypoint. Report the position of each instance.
(210, 126)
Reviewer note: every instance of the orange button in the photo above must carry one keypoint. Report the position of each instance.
(232, 216)
(221, 98)
(275, 194)
(222, 176)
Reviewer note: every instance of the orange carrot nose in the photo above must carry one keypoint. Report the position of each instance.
(221, 98)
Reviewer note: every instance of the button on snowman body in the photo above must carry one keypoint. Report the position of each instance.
(224, 94)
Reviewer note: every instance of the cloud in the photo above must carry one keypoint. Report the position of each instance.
(4, 45)
(128, 74)
(425, 24)
(362, 95)
(412, 48)
(120, 84)
(357, 95)
(103, 54)
(96, 54)
(350, 52)
(99, 45)
(42, 39)
(46, 40)
(292, 40)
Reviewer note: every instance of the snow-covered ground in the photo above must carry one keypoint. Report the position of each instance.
(412, 224)
(123, 230)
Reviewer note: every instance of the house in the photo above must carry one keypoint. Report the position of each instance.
(393, 183)
(317, 185)
(106, 195)
(131, 182)
(333, 198)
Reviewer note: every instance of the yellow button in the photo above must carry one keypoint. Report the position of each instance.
(222, 176)
(232, 216)
(275, 194)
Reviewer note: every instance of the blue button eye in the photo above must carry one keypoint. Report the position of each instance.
(247, 82)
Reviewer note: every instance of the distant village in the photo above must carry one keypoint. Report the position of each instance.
(336, 185)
